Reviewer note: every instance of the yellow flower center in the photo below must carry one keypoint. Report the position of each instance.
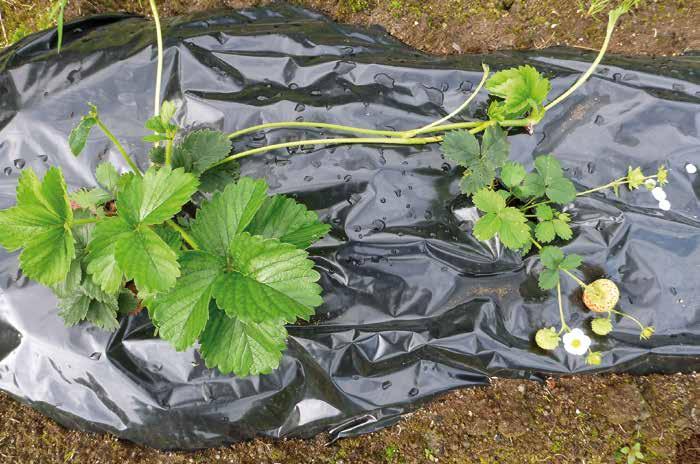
(576, 343)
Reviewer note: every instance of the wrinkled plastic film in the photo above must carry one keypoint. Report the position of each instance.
(414, 305)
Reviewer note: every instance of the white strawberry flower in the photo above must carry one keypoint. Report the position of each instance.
(658, 193)
(665, 205)
(576, 342)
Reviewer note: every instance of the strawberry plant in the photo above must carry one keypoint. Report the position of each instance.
(228, 272)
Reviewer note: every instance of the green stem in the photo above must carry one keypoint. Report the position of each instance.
(578, 281)
(119, 146)
(612, 20)
(461, 108)
(564, 326)
(338, 141)
(619, 181)
(539, 247)
(313, 125)
(185, 236)
(620, 313)
(482, 126)
(159, 68)
(168, 152)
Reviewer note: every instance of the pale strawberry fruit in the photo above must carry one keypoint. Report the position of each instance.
(601, 295)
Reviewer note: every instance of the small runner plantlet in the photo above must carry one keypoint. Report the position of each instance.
(217, 260)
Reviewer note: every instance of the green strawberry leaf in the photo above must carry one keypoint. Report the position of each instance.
(41, 224)
(272, 280)
(108, 177)
(101, 260)
(244, 348)
(551, 257)
(481, 162)
(283, 218)
(522, 89)
(548, 279)
(561, 191)
(147, 260)
(200, 150)
(182, 314)
(227, 214)
(544, 212)
(544, 231)
(155, 197)
(512, 174)
(90, 199)
(217, 178)
(570, 262)
(562, 229)
(78, 136)
(509, 223)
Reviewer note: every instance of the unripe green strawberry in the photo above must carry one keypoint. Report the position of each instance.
(601, 295)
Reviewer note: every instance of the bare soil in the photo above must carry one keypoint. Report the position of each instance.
(585, 419)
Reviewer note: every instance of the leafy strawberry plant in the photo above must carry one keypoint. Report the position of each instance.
(230, 276)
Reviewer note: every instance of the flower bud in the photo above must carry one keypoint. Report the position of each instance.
(594, 358)
(547, 339)
(601, 295)
(646, 333)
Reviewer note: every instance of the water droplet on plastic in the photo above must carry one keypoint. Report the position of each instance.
(316, 93)
(446, 167)
(347, 178)
(428, 215)
(293, 86)
(7, 171)
(43, 158)
(19, 163)
(300, 107)
(673, 290)
(378, 225)
(382, 200)
(617, 76)
(397, 193)
(316, 163)
(354, 199)
(413, 391)
(299, 119)
(308, 178)
(386, 385)
(591, 167)
(95, 356)
(599, 120)
(465, 87)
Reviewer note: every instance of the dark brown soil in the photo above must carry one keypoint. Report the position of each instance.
(574, 420)
(446, 26)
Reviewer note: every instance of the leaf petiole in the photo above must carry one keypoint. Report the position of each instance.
(168, 151)
(185, 236)
(80, 222)
(119, 146)
(564, 326)
(573, 276)
(620, 313)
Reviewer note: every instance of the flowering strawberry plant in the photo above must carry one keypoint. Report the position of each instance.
(219, 262)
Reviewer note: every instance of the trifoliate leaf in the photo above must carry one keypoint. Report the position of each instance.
(544, 231)
(290, 222)
(201, 149)
(90, 199)
(510, 223)
(171, 237)
(549, 180)
(78, 136)
(522, 89)
(272, 280)
(512, 174)
(155, 197)
(562, 229)
(551, 257)
(544, 212)
(480, 162)
(227, 214)
(182, 314)
(547, 339)
(155, 124)
(461, 147)
(108, 177)
(41, 223)
(101, 261)
(147, 260)
(561, 191)
(244, 348)
(549, 168)
(601, 326)
(548, 279)
(533, 186)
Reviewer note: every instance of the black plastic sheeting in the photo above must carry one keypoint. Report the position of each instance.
(414, 305)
